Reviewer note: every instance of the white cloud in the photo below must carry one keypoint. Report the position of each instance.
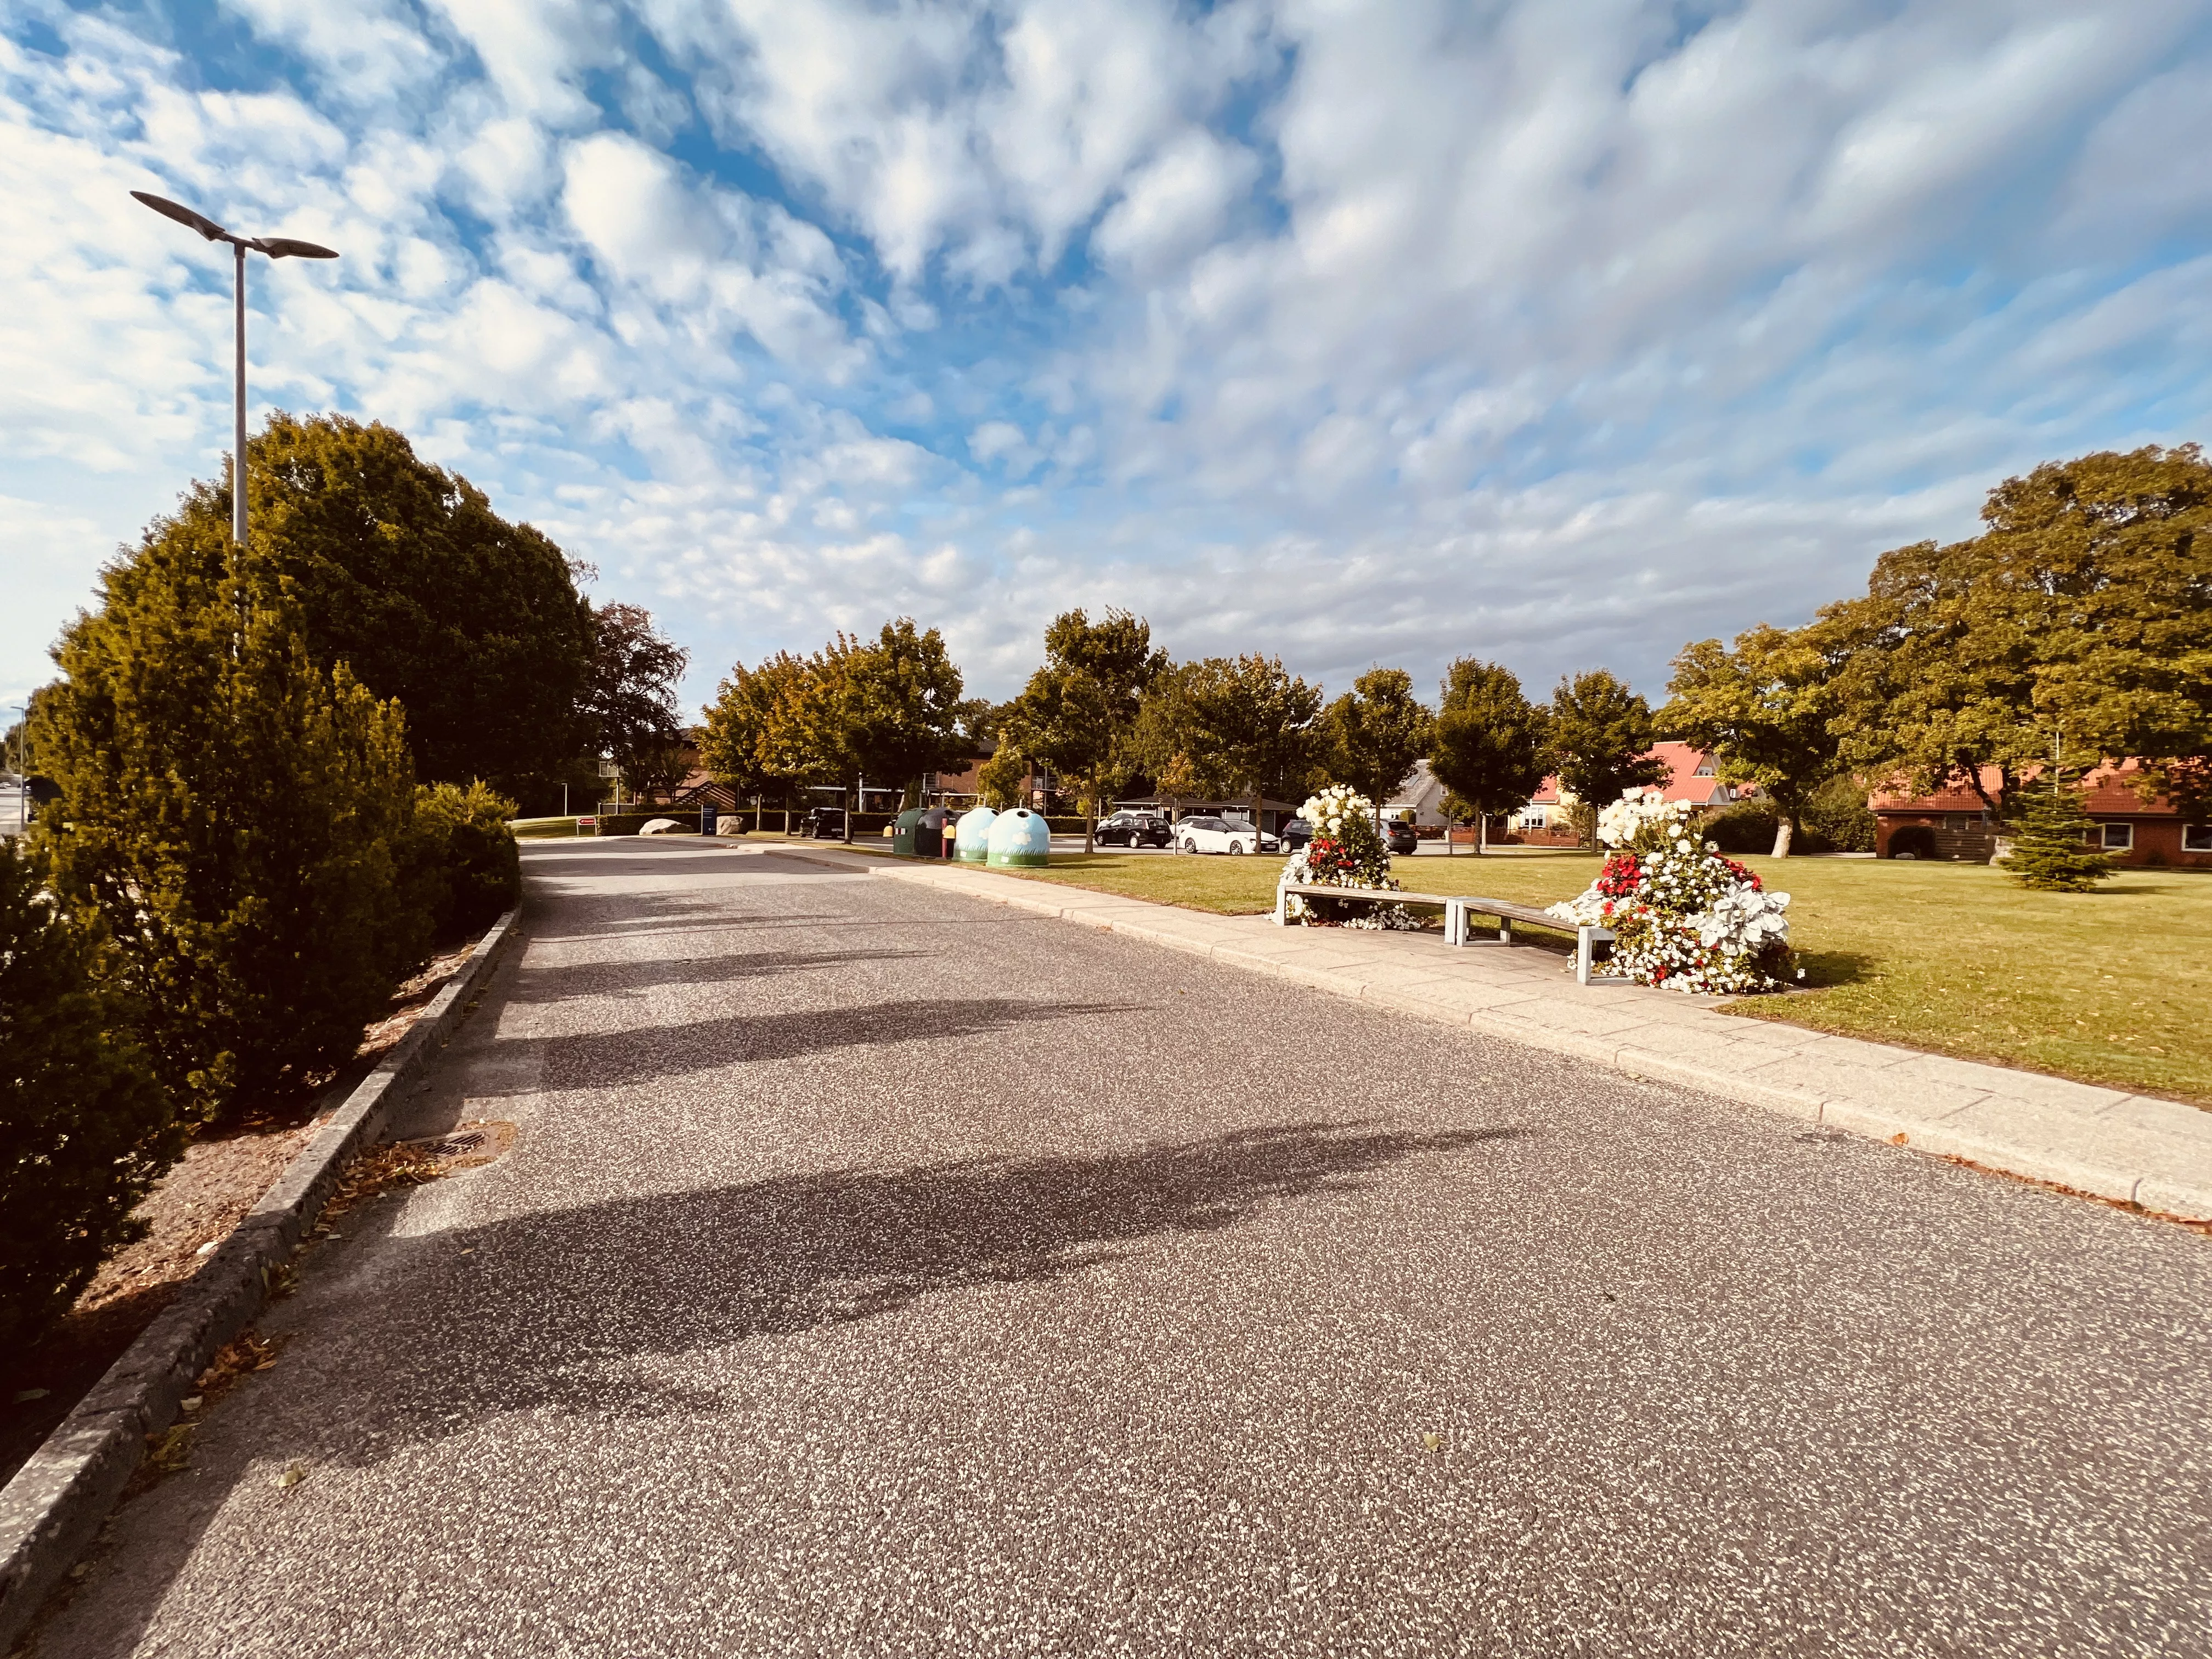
(1560, 330)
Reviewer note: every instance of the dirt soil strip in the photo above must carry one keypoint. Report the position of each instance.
(57, 1502)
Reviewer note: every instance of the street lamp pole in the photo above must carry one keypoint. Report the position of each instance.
(276, 247)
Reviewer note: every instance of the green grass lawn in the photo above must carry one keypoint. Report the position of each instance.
(2111, 986)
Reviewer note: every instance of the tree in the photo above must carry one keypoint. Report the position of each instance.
(1491, 746)
(1002, 779)
(1601, 736)
(734, 743)
(238, 817)
(2086, 603)
(629, 704)
(1375, 733)
(1764, 709)
(1078, 713)
(1231, 725)
(402, 571)
(85, 1129)
(888, 709)
(903, 707)
(2051, 849)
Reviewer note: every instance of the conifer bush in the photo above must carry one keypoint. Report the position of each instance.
(462, 858)
(84, 1128)
(237, 815)
(2050, 848)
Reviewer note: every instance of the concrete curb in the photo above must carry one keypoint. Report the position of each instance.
(1858, 1100)
(58, 1501)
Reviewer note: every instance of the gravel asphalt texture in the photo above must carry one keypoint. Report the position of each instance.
(878, 1270)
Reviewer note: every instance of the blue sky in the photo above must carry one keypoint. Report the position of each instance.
(1558, 332)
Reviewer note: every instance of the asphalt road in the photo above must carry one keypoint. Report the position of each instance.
(879, 1272)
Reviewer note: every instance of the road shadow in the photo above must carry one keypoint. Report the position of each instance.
(616, 1059)
(628, 978)
(559, 1302)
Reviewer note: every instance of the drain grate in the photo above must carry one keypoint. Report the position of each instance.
(466, 1145)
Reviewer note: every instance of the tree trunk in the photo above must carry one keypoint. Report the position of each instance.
(853, 806)
(1481, 834)
(1784, 826)
(1090, 822)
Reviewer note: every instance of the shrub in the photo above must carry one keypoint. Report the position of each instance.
(237, 815)
(1912, 841)
(84, 1128)
(1745, 827)
(1838, 815)
(465, 866)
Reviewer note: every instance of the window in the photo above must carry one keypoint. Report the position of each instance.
(1532, 817)
(2119, 837)
(1705, 767)
(2197, 838)
(1954, 822)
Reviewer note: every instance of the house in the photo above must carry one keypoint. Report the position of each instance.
(1692, 775)
(2133, 830)
(1419, 798)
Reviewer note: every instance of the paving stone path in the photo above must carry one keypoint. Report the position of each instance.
(879, 1271)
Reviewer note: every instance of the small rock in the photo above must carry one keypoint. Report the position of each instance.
(191, 1402)
(205, 1248)
(25, 1396)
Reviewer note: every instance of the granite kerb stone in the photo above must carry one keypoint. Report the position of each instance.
(55, 1504)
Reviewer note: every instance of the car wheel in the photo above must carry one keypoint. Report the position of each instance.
(1238, 846)
(1190, 846)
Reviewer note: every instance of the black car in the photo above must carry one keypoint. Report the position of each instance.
(1134, 830)
(1295, 834)
(823, 823)
(1402, 837)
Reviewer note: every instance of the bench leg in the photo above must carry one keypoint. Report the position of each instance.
(1581, 955)
(1455, 925)
(1282, 908)
(1505, 931)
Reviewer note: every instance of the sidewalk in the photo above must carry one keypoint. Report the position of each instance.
(2132, 1148)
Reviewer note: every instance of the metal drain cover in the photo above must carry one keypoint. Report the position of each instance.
(466, 1145)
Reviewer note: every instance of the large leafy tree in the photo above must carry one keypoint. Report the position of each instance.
(733, 743)
(1226, 726)
(1492, 745)
(1764, 708)
(888, 709)
(2081, 616)
(1601, 736)
(1376, 732)
(403, 571)
(237, 813)
(629, 705)
(1078, 713)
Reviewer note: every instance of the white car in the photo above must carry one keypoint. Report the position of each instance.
(1220, 836)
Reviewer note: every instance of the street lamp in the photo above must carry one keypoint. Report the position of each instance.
(276, 247)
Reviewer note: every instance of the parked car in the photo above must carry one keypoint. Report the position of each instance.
(1134, 830)
(823, 823)
(1401, 837)
(1296, 832)
(1207, 834)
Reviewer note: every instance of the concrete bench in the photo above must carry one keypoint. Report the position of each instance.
(1457, 909)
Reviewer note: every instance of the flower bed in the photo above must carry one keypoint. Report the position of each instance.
(1684, 918)
(1346, 851)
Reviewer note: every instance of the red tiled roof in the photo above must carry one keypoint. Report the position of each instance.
(2107, 796)
(1683, 782)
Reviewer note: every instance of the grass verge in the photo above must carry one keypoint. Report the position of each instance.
(2108, 988)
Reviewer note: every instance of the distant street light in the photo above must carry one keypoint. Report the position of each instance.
(276, 247)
